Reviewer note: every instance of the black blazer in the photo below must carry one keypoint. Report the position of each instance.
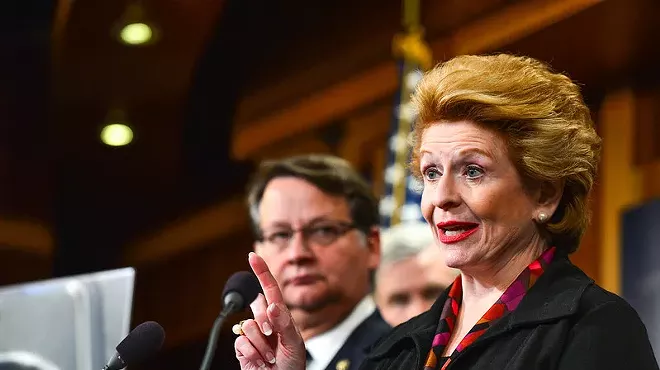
(357, 345)
(565, 322)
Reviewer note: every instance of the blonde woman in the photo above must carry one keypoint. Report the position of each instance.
(508, 154)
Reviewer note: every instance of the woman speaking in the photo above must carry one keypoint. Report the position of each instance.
(507, 152)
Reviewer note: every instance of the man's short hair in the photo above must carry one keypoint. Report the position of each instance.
(403, 241)
(332, 175)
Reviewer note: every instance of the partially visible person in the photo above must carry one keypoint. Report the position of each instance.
(316, 223)
(21, 360)
(508, 154)
(412, 272)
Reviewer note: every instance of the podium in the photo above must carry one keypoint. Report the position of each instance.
(69, 323)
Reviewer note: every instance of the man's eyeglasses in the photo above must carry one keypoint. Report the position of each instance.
(320, 233)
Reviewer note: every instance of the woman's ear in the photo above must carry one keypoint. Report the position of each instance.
(549, 195)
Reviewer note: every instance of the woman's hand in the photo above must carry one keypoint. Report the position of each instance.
(271, 340)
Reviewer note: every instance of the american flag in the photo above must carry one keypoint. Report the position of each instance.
(401, 200)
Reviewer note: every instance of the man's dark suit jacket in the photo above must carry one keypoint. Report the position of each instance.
(565, 322)
(356, 347)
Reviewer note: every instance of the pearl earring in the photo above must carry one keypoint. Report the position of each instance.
(542, 217)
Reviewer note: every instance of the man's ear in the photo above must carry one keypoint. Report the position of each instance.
(548, 196)
(373, 243)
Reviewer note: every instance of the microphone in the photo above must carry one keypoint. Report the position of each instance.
(240, 290)
(141, 343)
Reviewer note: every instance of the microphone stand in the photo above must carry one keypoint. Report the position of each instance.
(116, 362)
(213, 337)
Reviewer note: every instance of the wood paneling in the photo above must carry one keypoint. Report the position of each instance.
(28, 236)
(647, 134)
(336, 101)
(214, 223)
(19, 266)
(621, 183)
(587, 257)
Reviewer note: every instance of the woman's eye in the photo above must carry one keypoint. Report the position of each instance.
(473, 172)
(431, 173)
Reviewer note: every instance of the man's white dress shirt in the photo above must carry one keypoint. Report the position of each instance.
(324, 347)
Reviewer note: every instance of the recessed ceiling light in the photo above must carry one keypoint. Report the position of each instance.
(136, 33)
(116, 134)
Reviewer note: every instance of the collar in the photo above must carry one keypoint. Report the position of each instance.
(325, 346)
(555, 295)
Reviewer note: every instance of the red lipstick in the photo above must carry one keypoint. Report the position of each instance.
(455, 231)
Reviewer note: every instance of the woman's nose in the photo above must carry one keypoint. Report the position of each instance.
(446, 195)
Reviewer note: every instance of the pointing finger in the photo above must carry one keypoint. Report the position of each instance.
(268, 283)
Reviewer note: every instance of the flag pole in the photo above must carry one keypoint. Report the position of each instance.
(414, 57)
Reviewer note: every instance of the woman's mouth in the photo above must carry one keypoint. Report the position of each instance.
(455, 231)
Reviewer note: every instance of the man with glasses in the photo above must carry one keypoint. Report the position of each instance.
(316, 224)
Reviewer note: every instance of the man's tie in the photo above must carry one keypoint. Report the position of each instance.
(308, 355)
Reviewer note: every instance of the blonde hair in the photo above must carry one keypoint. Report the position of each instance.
(540, 113)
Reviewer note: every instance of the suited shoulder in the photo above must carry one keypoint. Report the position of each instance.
(416, 324)
(374, 328)
(376, 322)
(356, 347)
(598, 302)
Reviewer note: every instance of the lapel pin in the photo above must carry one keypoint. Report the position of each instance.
(343, 364)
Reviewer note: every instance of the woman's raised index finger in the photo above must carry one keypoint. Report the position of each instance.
(268, 283)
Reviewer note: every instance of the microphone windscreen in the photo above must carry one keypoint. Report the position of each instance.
(141, 343)
(244, 283)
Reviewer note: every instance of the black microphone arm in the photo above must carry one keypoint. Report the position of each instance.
(230, 308)
(116, 362)
(240, 290)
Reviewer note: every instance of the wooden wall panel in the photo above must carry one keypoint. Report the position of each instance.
(620, 183)
(19, 266)
(587, 257)
(184, 294)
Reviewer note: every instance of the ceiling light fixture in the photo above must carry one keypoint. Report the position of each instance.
(117, 134)
(136, 33)
(133, 28)
(116, 131)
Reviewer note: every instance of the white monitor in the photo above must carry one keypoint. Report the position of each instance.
(66, 323)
